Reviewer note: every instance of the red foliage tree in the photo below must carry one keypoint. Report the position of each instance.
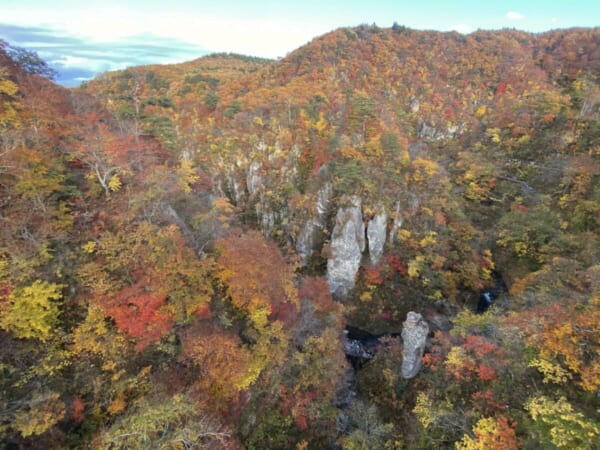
(138, 314)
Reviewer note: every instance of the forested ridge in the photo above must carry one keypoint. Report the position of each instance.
(186, 249)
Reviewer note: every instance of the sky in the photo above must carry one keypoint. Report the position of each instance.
(83, 38)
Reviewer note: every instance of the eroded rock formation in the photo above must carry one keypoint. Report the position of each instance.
(347, 246)
(311, 234)
(414, 337)
(376, 235)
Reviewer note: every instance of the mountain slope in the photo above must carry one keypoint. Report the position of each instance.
(417, 169)
(182, 246)
(482, 122)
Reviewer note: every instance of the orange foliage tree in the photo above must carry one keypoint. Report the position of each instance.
(255, 275)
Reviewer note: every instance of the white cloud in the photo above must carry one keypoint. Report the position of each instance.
(514, 15)
(96, 65)
(252, 36)
(462, 28)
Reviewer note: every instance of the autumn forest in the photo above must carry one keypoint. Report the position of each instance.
(224, 253)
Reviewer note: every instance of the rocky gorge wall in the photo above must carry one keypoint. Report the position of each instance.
(354, 236)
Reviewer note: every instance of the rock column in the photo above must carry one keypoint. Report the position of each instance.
(347, 246)
(414, 336)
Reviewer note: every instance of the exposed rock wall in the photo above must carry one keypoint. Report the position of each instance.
(414, 337)
(233, 186)
(376, 235)
(397, 223)
(266, 218)
(347, 246)
(254, 179)
(310, 235)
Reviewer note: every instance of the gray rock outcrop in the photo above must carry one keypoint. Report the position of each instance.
(397, 223)
(254, 179)
(430, 132)
(414, 337)
(376, 235)
(311, 233)
(231, 186)
(347, 246)
(266, 219)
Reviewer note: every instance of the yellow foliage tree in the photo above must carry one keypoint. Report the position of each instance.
(32, 311)
(94, 337)
(560, 424)
(490, 434)
(567, 337)
(45, 410)
(187, 175)
(9, 105)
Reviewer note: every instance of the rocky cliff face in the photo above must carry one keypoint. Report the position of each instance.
(347, 246)
(230, 184)
(349, 240)
(397, 222)
(310, 235)
(414, 336)
(376, 235)
(266, 217)
(254, 180)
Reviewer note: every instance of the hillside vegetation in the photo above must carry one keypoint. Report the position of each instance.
(182, 246)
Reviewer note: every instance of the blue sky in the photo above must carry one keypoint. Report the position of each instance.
(83, 38)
